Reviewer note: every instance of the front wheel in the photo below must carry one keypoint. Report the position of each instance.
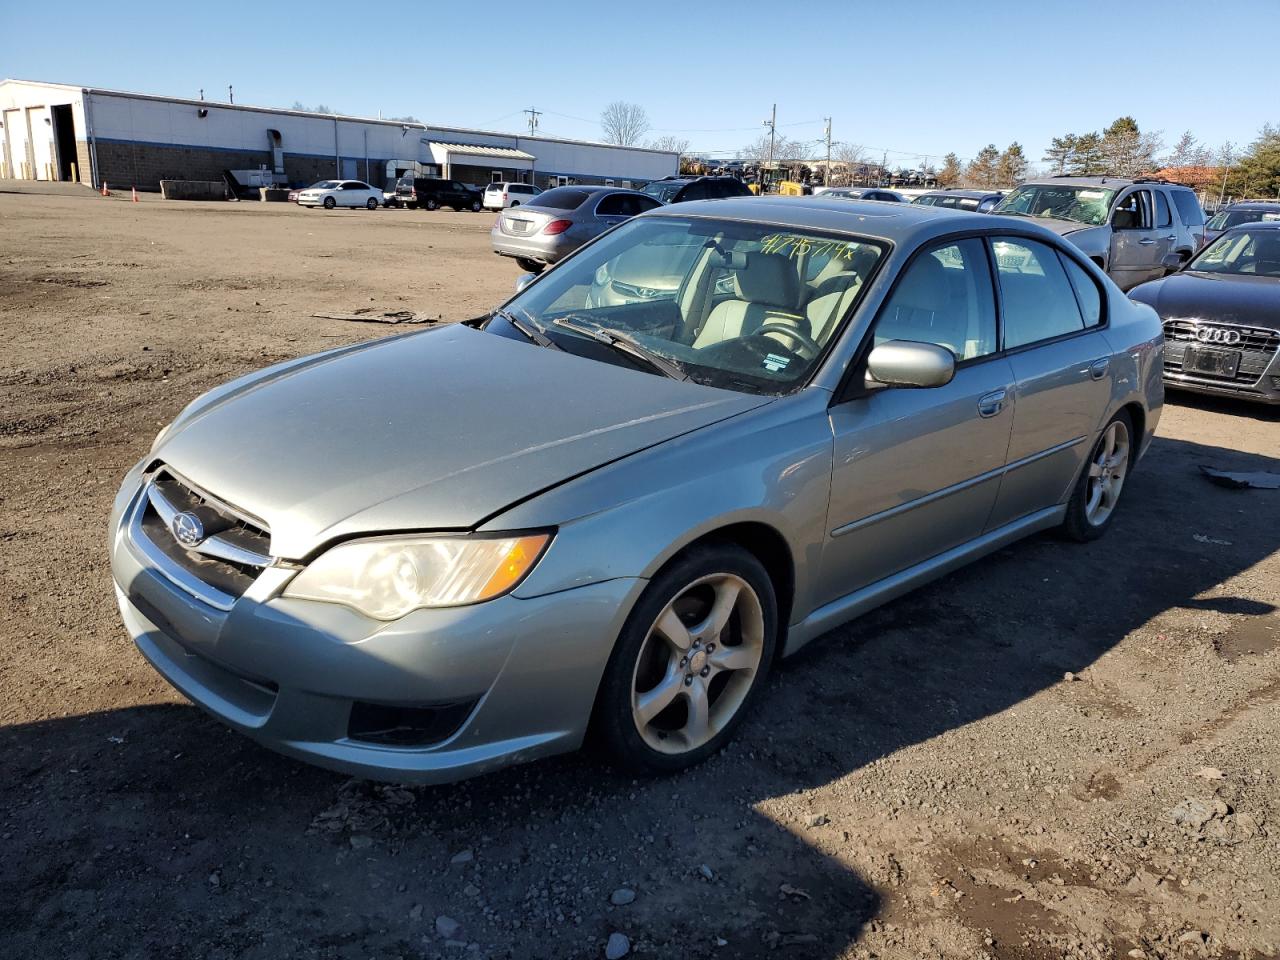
(476, 206)
(330, 203)
(689, 662)
(431, 205)
(1097, 494)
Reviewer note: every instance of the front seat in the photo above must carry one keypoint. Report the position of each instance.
(766, 288)
(921, 309)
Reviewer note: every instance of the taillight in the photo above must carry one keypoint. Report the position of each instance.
(556, 227)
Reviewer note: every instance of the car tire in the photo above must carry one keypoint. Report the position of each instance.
(372, 204)
(430, 205)
(476, 206)
(1093, 503)
(330, 203)
(530, 266)
(689, 662)
(515, 203)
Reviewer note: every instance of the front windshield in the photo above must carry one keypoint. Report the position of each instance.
(1243, 252)
(664, 192)
(744, 306)
(1233, 218)
(1087, 205)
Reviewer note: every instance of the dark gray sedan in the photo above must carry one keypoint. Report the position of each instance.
(555, 223)
(424, 557)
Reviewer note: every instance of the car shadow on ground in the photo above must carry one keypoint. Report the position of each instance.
(154, 831)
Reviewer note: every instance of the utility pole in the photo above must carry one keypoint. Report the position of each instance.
(231, 94)
(826, 174)
(884, 160)
(533, 119)
(772, 124)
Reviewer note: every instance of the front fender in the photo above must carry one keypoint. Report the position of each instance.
(771, 466)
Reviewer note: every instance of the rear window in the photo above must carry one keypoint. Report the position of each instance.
(563, 198)
(1189, 210)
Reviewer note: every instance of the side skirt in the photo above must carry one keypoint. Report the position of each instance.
(882, 591)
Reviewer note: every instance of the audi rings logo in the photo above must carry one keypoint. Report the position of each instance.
(1217, 335)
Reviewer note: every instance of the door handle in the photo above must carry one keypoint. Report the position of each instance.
(1146, 240)
(1171, 237)
(1098, 369)
(991, 403)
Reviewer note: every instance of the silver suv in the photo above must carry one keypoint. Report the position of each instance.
(1135, 230)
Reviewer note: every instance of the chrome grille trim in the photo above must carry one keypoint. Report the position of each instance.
(213, 546)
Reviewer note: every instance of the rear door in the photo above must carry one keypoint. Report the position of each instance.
(1051, 312)
(916, 472)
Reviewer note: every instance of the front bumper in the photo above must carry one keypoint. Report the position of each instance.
(1257, 393)
(518, 676)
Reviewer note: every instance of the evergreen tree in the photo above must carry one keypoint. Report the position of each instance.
(1011, 169)
(951, 171)
(981, 171)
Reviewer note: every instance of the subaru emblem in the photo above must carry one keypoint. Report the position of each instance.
(187, 529)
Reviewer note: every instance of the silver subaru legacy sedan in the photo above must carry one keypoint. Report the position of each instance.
(605, 510)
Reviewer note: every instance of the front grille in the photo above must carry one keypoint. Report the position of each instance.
(1257, 347)
(232, 549)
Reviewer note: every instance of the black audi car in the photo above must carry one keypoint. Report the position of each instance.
(1221, 315)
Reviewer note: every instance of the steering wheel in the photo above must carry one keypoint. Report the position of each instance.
(810, 348)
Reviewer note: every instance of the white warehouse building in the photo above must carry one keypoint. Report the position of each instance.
(54, 131)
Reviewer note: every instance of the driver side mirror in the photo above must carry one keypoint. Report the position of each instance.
(906, 363)
(524, 280)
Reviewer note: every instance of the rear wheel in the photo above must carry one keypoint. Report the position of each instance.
(372, 204)
(1097, 494)
(330, 203)
(689, 662)
(531, 266)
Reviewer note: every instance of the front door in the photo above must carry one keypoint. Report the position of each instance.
(1137, 251)
(1051, 312)
(916, 471)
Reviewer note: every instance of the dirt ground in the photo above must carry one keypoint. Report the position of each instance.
(1062, 751)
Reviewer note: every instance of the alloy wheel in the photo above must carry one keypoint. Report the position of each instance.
(698, 663)
(1107, 471)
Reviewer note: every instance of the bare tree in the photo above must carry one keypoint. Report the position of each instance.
(673, 144)
(624, 123)
(784, 148)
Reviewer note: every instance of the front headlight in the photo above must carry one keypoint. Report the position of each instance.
(386, 578)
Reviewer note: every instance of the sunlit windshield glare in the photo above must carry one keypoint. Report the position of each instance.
(1253, 253)
(663, 191)
(744, 306)
(1087, 205)
(1233, 218)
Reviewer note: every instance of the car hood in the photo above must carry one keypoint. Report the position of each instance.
(433, 431)
(1060, 227)
(1216, 299)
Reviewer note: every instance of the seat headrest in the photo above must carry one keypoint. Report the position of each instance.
(770, 280)
(925, 286)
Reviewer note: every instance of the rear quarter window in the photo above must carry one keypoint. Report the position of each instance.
(1189, 210)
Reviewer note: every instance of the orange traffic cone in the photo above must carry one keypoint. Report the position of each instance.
(105, 192)
(135, 194)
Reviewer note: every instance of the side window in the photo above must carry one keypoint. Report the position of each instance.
(1038, 300)
(944, 297)
(694, 191)
(611, 206)
(644, 203)
(1133, 212)
(1188, 207)
(1163, 217)
(1088, 296)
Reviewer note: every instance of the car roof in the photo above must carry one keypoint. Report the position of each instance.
(898, 223)
(1255, 225)
(971, 194)
(1077, 182)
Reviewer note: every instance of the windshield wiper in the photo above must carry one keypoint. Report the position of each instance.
(623, 343)
(529, 327)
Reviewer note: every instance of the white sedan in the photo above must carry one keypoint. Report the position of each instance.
(340, 193)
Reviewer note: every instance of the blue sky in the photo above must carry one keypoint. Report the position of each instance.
(923, 81)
